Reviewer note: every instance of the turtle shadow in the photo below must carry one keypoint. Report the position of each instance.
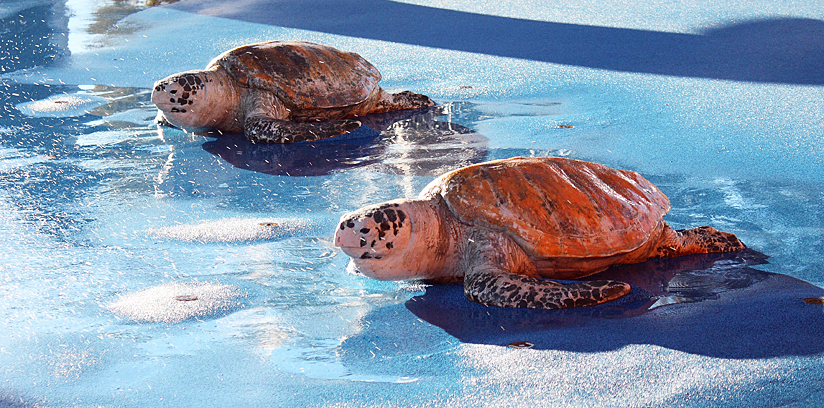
(776, 50)
(713, 305)
(410, 142)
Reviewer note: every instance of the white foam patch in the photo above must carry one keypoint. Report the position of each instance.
(61, 105)
(232, 230)
(176, 302)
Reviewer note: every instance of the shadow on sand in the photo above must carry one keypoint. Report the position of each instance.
(712, 305)
(777, 50)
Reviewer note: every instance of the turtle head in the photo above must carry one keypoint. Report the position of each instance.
(193, 99)
(397, 240)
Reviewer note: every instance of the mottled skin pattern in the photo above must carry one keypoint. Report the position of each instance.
(501, 275)
(424, 238)
(279, 92)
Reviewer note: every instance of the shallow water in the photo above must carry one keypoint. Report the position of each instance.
(145, 266)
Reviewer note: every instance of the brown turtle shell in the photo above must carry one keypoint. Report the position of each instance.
(556, 207)
(302, 74)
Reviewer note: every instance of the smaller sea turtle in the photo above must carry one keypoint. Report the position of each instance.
(506, 227)
(279, 92)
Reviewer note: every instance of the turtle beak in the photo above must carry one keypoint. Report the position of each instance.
(348, 240)
(160, 94)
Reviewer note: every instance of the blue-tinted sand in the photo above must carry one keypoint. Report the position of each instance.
(147, 267)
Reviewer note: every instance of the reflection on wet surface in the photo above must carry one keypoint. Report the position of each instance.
(413, 143)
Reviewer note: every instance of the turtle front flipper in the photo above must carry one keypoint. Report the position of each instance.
(499, 273)
(268, 130)
(499, 288)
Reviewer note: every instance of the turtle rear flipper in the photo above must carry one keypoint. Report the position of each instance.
(710, 240)
(698, 240)
(411, 100)
(268, 130)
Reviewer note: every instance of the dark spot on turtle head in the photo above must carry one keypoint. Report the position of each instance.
(381, 234)
(187, 88)
(185, 95)
(390, 214)
(366, 255)
(177, 110)
(173, 91)
(350, 224)
(172, 100)
(342, 226)
(373, 244)
(364, 230)
(384, 226)
(362, 242)
(378, 216)
(389, 245)
(401, 216)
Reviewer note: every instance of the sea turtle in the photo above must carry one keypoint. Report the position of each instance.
(279, 92)
(506, 227)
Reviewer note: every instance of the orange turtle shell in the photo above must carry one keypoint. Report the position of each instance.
(556, 207)
(302, 74)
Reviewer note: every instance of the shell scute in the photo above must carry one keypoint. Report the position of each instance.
(556, 207)
(303, 75)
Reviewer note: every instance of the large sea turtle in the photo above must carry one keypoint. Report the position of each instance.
(507, 227)
(279, 92)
